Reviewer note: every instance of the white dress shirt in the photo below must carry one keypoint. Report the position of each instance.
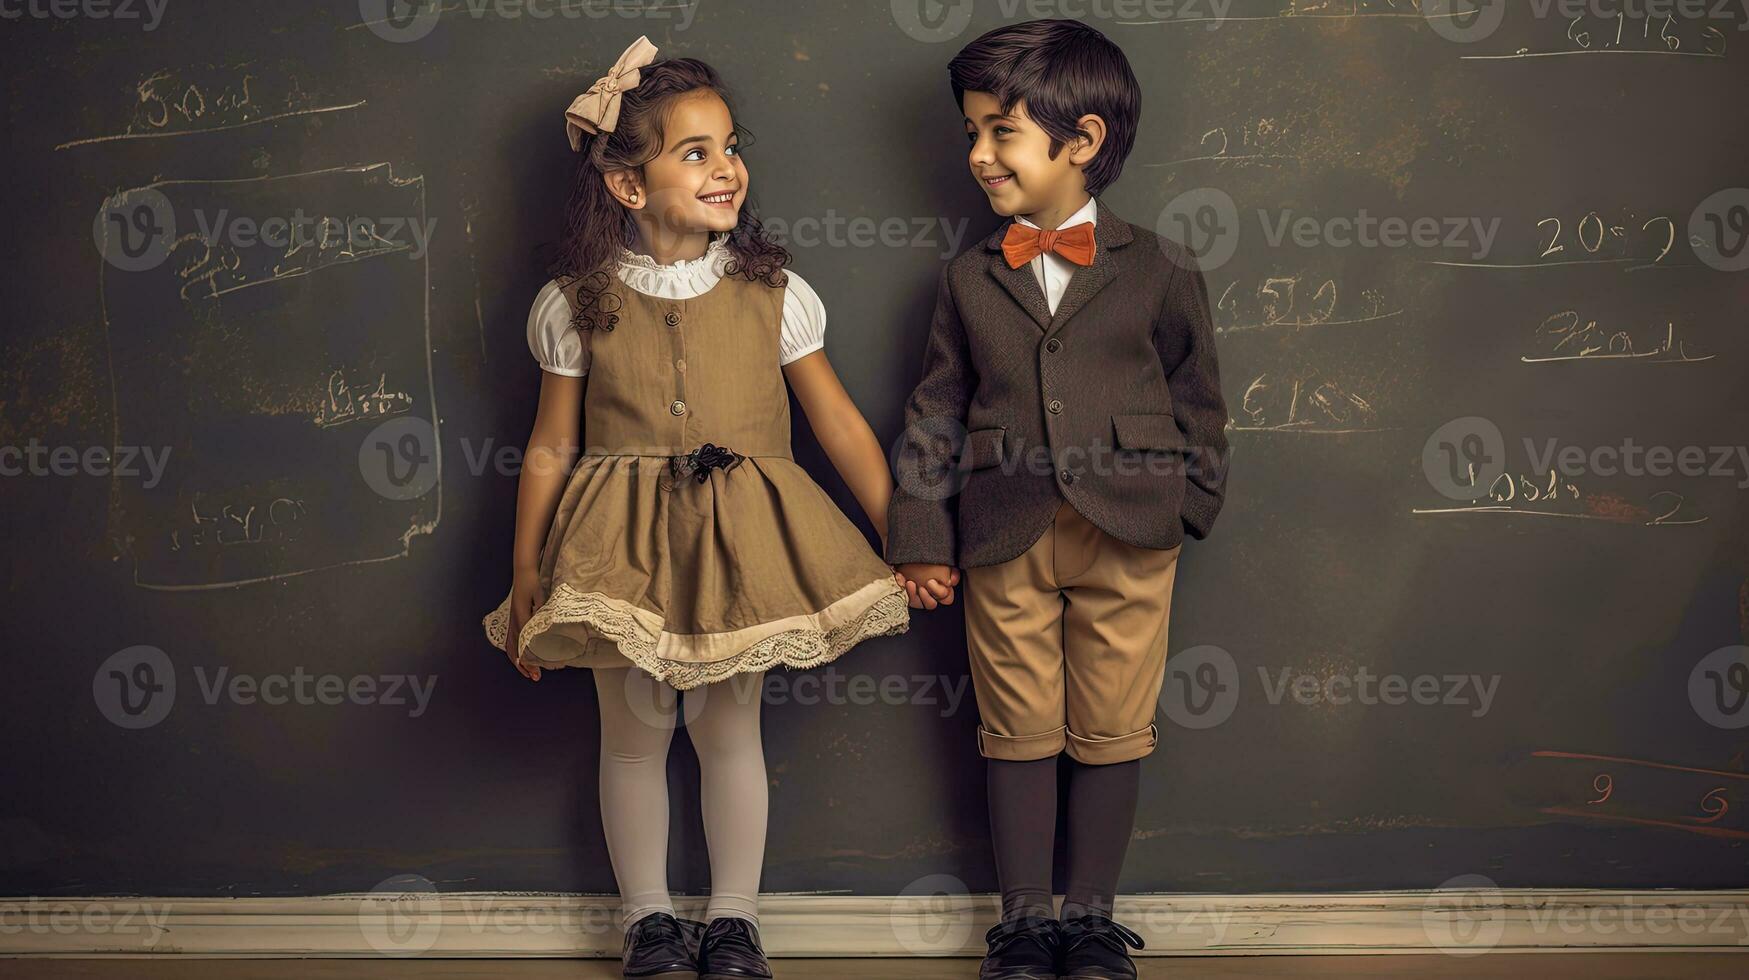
(1052, 271)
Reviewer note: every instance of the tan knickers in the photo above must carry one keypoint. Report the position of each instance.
(1068, 645)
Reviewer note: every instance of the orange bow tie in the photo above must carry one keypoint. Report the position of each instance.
(1022, 244)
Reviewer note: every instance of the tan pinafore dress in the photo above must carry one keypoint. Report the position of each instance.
(695, 581)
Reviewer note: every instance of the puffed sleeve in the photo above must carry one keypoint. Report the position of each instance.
(555, 345)
(804, 320)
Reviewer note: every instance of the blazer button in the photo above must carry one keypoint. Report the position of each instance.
(672, 319)
(1053, 345)
(1055, 406)
(678, 408)
(1067, 476)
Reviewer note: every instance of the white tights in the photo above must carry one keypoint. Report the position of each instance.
(638, 718)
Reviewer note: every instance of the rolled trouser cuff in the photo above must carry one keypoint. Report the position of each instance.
(1021, 748)
(1107, 751)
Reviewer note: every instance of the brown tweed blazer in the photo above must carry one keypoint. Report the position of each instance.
(1114, 404)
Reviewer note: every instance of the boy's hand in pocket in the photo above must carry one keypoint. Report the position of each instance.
(928, 586)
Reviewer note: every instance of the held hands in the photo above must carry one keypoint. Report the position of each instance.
(927, 586)
(526, 596)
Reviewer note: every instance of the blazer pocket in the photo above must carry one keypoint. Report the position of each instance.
(984, 447)
(1148, 432)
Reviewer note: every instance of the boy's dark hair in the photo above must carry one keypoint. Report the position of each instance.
(1064, 70)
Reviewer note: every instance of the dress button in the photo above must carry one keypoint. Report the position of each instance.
(1053, 345)
(680, 365)
(678, 408)
(672, 319)
(1055, 406)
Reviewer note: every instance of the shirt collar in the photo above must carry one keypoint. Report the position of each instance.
(1089, 213)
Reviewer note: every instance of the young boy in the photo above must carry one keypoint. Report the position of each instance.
(1075, 353)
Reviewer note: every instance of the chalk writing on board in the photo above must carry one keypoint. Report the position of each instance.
(1293, 301)
(1594, 239)
(210, 268)
(186, 101)
(1532, 495)
(1648, 793)
(1566, 336)
(348, 403)
(254, 378)
(1259, 142)
(1630, 31)
(1308, 403)
(1305, 11)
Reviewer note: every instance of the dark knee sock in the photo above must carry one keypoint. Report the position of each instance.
(1023, 825)
(1102, 818)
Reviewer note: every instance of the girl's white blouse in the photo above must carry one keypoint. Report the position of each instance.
(559, 349)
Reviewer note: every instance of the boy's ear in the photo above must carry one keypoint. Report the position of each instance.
(1083, 148)
(626, 188)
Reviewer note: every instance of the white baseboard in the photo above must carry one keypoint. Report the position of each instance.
(498, 924)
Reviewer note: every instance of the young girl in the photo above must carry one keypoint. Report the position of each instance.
(686, 546)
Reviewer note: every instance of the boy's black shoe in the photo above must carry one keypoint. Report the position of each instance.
(1093, 949)
(730, 950)
(661, 947)
(1022, 949)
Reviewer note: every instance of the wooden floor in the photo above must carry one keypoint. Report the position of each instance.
(1541, 966)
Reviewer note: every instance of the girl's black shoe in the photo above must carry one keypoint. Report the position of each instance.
(730, 950)
(661, 947)
(1094, 949)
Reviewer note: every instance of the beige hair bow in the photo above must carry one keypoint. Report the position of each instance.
(597, 110)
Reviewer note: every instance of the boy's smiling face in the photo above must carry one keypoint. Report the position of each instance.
(1010, 157)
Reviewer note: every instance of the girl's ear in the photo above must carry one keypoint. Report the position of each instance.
(1085, 147)
(627, 188)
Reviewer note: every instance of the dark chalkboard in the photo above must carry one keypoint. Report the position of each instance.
(1406, 653)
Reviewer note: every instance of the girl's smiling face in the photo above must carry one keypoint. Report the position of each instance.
(699, 181)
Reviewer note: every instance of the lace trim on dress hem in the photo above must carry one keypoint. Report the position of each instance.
(637, 634)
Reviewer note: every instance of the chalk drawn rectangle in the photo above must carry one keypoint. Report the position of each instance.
(287, 374)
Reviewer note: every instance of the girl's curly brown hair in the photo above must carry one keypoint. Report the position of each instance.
(597, 225)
